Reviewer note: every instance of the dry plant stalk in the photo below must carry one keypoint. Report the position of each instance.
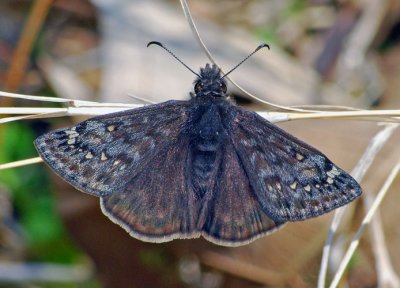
(375, 145)
(367, 219)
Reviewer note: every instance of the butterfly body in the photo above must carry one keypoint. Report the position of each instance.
(202, 167)
(205, 141)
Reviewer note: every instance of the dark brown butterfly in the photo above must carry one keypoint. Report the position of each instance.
(202, 167)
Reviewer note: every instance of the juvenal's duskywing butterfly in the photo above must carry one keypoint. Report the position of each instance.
(202, 167)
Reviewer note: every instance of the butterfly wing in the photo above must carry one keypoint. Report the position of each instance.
(234, 215)
(100, 155)
(291, 180)
(157, 204)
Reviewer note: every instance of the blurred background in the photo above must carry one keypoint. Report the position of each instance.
(322, 52)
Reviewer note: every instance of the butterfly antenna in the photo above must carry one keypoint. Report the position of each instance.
(263, 45)
(173, 55)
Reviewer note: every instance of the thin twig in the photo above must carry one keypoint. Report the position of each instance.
(21, 163)
(20, 58)
(66, 101)
(143, 100)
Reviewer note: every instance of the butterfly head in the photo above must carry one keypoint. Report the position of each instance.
(210, 82)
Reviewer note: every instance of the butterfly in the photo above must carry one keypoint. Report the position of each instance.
(201, 167)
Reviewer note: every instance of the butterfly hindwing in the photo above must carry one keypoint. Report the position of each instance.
(234, 215)
(158, 204)
(100, 155)
(292, 180)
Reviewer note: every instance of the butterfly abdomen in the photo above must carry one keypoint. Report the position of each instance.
(207, 139)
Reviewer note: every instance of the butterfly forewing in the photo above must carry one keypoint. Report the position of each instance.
(101, 155)
(291, 180)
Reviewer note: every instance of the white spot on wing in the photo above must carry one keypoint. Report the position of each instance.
(335, 171)
(72, 131)
(89, 155)
(330, 174)
(71, 141)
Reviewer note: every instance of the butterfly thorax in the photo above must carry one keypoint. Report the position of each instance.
(210, 82)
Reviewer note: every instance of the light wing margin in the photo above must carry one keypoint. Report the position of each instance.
(158, 204)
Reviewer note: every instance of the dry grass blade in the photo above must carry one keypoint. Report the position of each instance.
(34, 98)
(95, 108)
(66, 101)
(346, 114)
(59, 112)
(365, 222)
(33, 116)
(74, 108)
(16, 118)
(143, 100)
(375, 145)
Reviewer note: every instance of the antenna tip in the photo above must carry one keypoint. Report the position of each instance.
(262, 45)
(155, 43)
